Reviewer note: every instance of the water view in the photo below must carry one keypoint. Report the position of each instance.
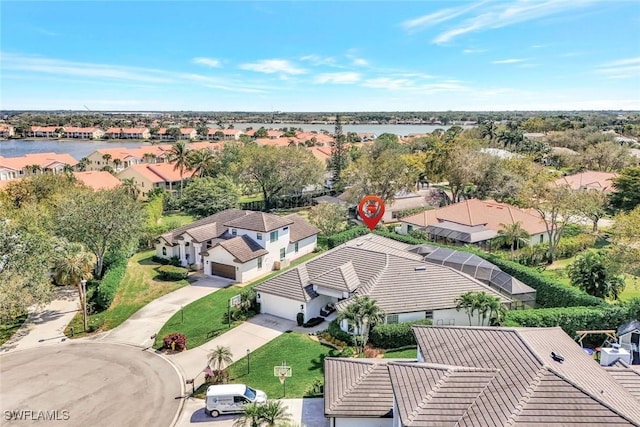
(82, 148)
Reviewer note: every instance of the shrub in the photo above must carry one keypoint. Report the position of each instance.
(371, 352)
(334, 331)
(394, 335)
(572, 230)
(316, 388)
(109, 285)
(300, 318)
(348, 352)
(571, 246)
(346, 235)
(314, 321)
(571, 319)
(159, 260)
(175, 341)
(175, 261)
(408, 212)
(171, 272)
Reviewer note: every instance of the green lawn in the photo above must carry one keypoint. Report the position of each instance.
(409, 353)
(304, 355)
(632, 288)
(177, 219)
(250, 198)
(205, 318)
(138, 288)
(9, 328)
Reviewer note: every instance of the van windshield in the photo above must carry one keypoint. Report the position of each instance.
(250, 393)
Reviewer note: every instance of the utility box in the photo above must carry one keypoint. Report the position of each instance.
(609, 355)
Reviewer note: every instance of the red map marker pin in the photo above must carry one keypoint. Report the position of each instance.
(371, 210)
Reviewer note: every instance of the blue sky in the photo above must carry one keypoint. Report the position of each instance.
(320, 55)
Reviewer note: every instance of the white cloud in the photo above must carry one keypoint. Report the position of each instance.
(360, 62)
(467, 51)
(621, 69)
(409, 85)
(337, 78)
(209, 62)
(271, 66)
(318, 59)
(509, 61)
(498, 15)
(437, 17)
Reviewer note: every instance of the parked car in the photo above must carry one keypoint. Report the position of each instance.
(231, 398)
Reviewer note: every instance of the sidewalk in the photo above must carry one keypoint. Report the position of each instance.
(45, 326)
(138, 329)
(250, 335)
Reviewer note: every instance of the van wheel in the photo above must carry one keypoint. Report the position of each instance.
(214, 413)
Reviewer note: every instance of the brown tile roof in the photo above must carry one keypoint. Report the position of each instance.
(259, 221)
(531, 387)
(602, 181)
(243, 248)
(432, 395)
(386, 273)
(300, 229)
(625, 375)
(292, 284)
(480, 212)
(357, 388)
(98, 180)
(216, 220)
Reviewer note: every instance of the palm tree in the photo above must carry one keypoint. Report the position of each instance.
(71, 265)
(497, 311)
(467, 302)
(513, 234)
(273, 413)
(130, 187)
(179, 155)
(106, 158)
(489, 129)
(363, 313)
(219, 358)
(116, 163)
(251, 416)
(81, 166)
(202, 162)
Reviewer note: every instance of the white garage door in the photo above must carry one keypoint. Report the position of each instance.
(279, 306)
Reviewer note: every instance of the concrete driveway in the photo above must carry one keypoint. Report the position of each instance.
(45, 325)
(250, 335)
(147, 321)
(89, 384)
(304, 412)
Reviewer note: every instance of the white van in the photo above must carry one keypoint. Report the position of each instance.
(231, 398)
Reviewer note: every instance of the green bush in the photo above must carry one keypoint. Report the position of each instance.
(571, 246)
(394, 335)
(159, 260)
(109, 285)
(172, 273)
(338, 334)
(571, 319)
(346, 235)
(572, 230)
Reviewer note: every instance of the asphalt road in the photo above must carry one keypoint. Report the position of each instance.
(88, 384)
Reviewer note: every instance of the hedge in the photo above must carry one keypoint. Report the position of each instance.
(109, 285)
(346, 235)
(336, 332)
(571, 319)
(171, 272)
(394, 335)
(159, 260)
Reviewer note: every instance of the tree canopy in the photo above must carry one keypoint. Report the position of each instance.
(206, 196)
(626, 195)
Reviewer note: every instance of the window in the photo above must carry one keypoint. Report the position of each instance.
(273, 236)
(283, 254)
(164, 250)
(542, 238)
(392, 318)
(295, 247)
(259, 236)
(234, 232)
(428, 315)
(259, 262)
(409, 228)
(186, 244)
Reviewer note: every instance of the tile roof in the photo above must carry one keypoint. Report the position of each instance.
(259, 221)
(625, 375)
(400, 281)
(243, 248)
(98, 180)
(292, 284)
(588, 180)
(474, 212)
(436, 395)
(300, 229)
(357, 388)
(159, 172)
(216, 220)
(530, 386)
(44, 160)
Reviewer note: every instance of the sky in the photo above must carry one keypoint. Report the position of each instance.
(320, 55)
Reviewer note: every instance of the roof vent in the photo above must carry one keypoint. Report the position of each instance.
(615, 347)
(421, 268)
(557, 357)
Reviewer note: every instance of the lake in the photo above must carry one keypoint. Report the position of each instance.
(82, 148)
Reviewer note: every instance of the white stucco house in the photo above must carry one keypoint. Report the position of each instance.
(238, 244)
(405, 286)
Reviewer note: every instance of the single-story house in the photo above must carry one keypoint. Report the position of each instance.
(238, 244)
(404, 285)
(482, 377)
(475, 221)
(588, 180)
